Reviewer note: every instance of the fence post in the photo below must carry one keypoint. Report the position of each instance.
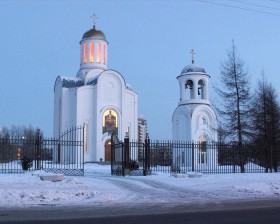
(38, 149)
(147, 155)
(234, 159)
(271, 159)
(192, 157)
(126, 155)
(112, 152)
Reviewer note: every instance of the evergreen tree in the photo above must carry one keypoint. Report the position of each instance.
(234, 107)
(266, 121)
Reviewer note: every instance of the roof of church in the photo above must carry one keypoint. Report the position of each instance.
(94, 33)
(193, 68)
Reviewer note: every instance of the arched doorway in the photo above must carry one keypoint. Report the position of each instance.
(107, 147)
(202, 153)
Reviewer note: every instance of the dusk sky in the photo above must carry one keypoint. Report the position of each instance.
(149, 44)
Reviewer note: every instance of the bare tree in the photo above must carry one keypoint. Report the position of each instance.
(20, 131)
(5, 132)
(234, 104)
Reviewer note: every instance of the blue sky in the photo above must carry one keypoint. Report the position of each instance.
(149, 44)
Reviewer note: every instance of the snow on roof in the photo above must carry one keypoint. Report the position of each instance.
(71, 82)
(192, 68)
(129, 86)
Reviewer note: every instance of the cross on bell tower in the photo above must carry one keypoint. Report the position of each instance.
(193, 53)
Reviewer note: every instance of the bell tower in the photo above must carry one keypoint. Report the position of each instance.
(194, 119)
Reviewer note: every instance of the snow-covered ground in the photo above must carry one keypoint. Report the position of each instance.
(98, 187)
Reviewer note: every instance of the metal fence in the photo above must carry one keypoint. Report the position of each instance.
(205, 157)
(130, 158)
(63, 155)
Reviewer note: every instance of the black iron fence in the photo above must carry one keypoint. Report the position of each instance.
(130, 158)
(184, 157)
(63, 155)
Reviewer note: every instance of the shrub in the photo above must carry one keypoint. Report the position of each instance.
(26, 163)
(133, 165)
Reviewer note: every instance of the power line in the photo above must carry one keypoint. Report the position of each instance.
(248, 3)
(238, 7)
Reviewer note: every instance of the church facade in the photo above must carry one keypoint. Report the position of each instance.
(194, 120)
(98, 98)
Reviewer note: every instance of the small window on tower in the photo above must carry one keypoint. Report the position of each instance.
(85, 53)
(98, 52)
(104, 54)
(91, 58)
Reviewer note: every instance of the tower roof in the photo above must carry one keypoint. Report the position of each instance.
(192, 68)
(94, 33)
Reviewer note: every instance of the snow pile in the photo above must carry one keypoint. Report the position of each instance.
(98, 187)
(22, 190)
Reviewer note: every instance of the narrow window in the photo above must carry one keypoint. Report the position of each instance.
(85, 53)
(85, 136)
(91, 58)
(98, 52)
(104, 54)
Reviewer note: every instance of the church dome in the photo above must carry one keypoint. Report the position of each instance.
(94, 33)
(193, 68)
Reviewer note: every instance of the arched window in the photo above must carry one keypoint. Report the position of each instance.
(203, 121)
(189, 90)
(110, 122)
(201, 89)
(91, 57)
(202, 151)
(98, 53)
(85, 53)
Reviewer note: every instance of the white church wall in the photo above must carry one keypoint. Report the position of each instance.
(181, 123)
(110, 90)
(69, 111)
(68, 121)
(131, 114)
(57, 107)
(86, 114)
(204, 111)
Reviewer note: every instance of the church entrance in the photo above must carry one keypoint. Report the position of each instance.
(108, 150)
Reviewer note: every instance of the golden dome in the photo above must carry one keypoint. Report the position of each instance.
(94, 33)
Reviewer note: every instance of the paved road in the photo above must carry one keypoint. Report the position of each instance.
(227, 213)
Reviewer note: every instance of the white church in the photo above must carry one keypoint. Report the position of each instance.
(194, 120)
(98, 98)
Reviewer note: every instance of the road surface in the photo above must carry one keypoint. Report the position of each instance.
(249, 212)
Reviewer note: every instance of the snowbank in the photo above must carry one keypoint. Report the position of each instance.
(98, 187)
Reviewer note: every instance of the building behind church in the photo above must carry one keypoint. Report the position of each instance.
(142, 129)
(98, 98)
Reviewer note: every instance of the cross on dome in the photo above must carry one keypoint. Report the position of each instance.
(193, 53)
(94, 18)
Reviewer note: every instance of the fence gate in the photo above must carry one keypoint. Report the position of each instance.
(130, 158)
(63, 155)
